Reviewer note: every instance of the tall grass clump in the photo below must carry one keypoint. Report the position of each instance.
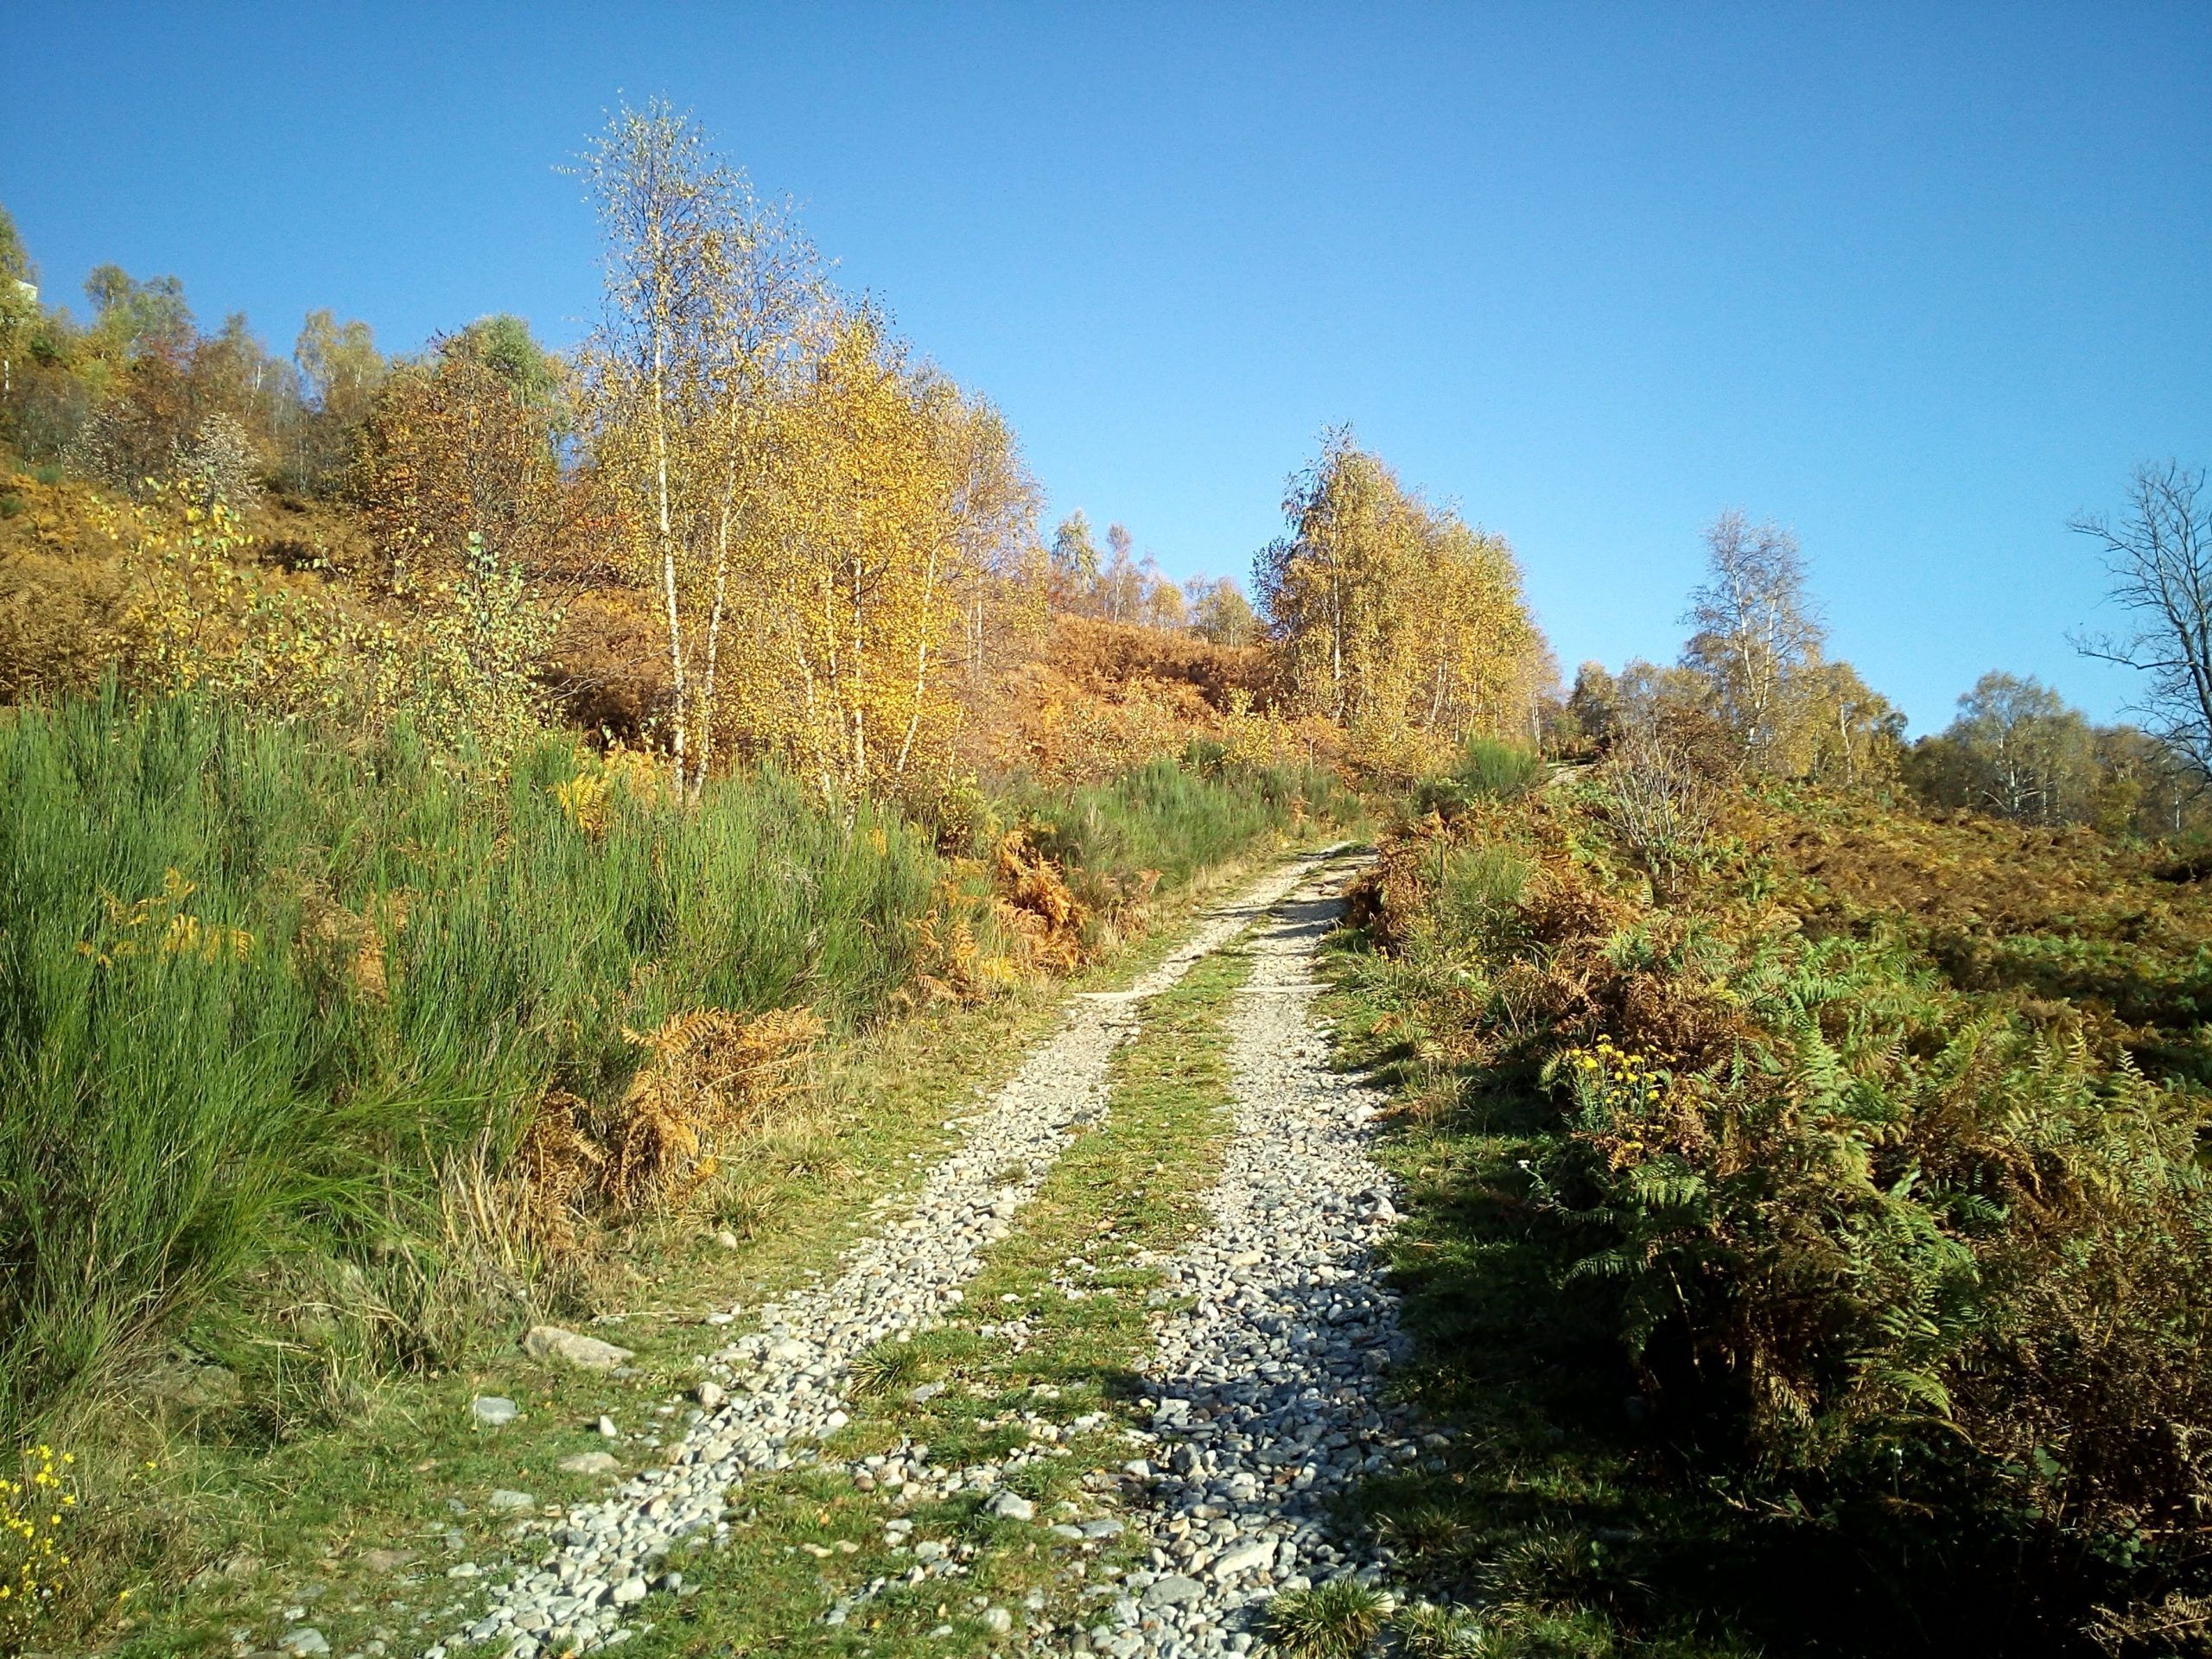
(1485, 769)
(1172, 820)
(251, 984)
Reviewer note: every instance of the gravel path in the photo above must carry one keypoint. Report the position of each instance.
(1266, 1397)
(773, 1392)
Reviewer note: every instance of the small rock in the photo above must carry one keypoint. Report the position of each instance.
(505, 1497)
(630, 1592)
(493, 1410)
(727, 1239)
(1173, 1591)
(570, 1348)
(998, 1621)
(709, 1394)
(238, 1567)
(922, 1393)
(607, 1430)
(1243, 1558)
(386, 1560)
(591, 1462)
(1011, 1506)
(305, 1640)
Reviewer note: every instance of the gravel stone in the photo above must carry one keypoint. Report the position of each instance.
(1267, 1400)
(788, 1378)
(572, 1348)
(1172, 1592)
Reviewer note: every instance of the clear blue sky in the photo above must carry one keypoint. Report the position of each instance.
(1919, 281)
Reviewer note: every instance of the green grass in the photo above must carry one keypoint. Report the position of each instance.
(246, 1229)
(1485, 769)
(1173, 819)
(1339, 1620)
(176, 1117)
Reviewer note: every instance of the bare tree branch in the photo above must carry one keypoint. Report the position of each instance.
(2159, 560)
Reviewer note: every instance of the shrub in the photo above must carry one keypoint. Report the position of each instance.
(1660, 803)
(1485, 769)
(1918, 1244)
(1499, 770)
(1156, 826)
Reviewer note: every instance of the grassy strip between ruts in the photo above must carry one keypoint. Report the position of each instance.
(359, 1530)
(1023, 1349)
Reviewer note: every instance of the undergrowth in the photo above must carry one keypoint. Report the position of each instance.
(1826, 1266)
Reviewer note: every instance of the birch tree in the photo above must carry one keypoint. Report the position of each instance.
(713, 305)
(1393, 616)
(1757, 635)
(904, 535)
(1329, 584)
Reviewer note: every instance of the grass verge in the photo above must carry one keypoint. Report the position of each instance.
(1806, 1244)
(353, 1528)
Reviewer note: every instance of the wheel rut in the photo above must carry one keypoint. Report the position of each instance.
(1266, 1397)
(777, 1390)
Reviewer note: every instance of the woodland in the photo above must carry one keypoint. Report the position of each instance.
(468, 816)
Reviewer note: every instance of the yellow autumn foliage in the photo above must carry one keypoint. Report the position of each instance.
(835, 534)
(159, 926)
(1394, 618)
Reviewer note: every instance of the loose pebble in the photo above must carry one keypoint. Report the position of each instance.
(1267, 1396)
(787, 1380)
